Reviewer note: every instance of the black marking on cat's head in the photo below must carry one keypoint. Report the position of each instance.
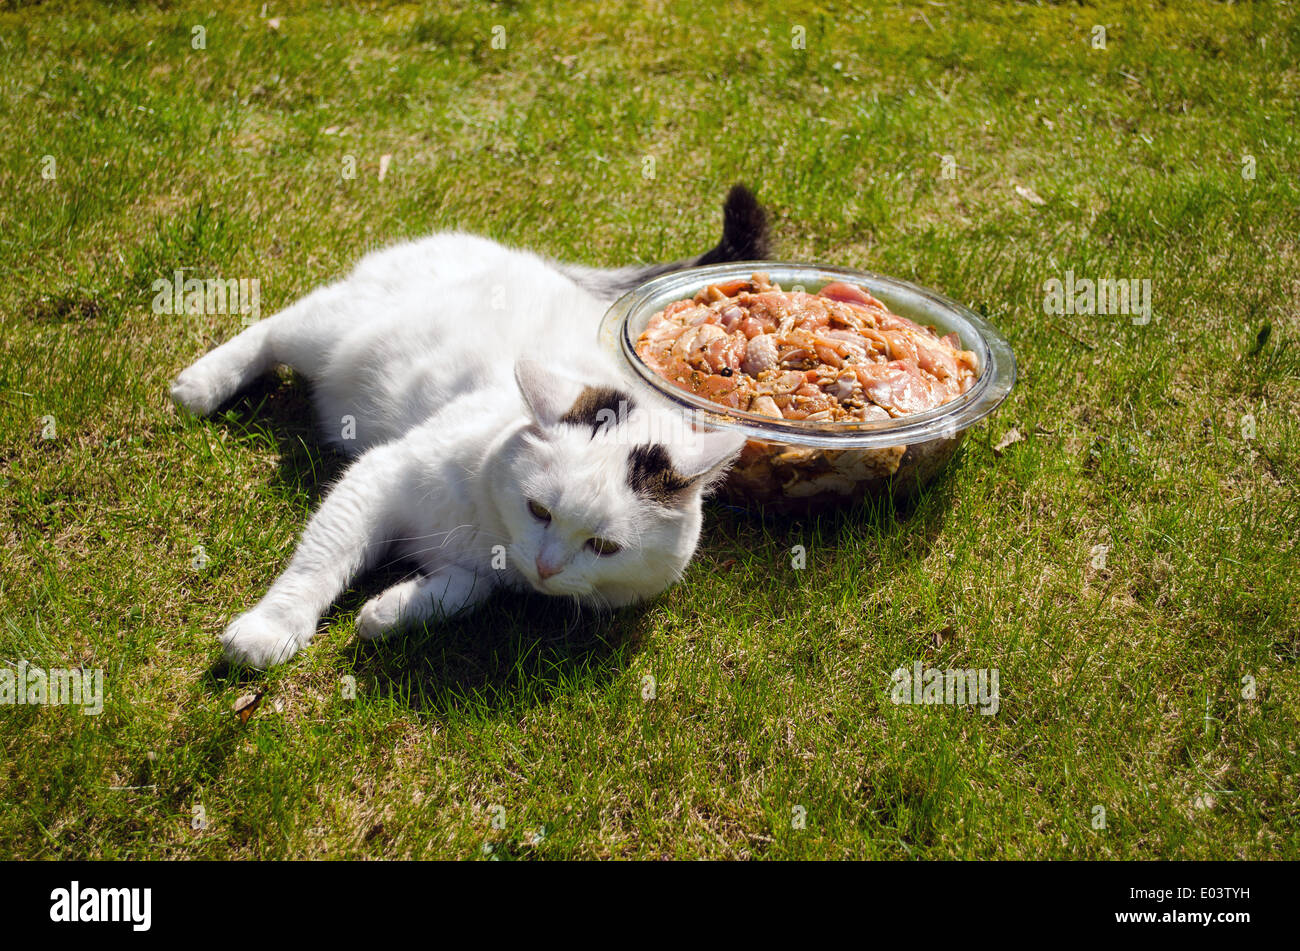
(650, 473)
(598, 407)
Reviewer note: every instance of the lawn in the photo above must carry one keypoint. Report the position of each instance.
(1128, 566)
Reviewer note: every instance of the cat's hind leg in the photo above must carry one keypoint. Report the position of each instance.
(438, 596)
(301, 336)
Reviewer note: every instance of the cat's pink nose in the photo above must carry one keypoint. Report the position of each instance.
(544, 570)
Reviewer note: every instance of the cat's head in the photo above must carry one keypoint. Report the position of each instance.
(601, 497)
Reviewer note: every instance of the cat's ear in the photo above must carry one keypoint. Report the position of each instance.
(547, 395)
(705, 455)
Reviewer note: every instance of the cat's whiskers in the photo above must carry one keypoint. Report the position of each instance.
(598, 601)
(414, 554)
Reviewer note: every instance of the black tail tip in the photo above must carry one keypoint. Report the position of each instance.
(744, 228)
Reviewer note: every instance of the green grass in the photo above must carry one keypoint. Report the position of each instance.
(1121, 686)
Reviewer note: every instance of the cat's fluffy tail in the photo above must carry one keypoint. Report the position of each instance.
(744, 238)
(744, 230)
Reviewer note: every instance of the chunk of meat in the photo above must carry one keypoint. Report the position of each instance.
(850, 294)
(897, 387)
(760, 355)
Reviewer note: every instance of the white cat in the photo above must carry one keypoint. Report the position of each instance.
(466, 379)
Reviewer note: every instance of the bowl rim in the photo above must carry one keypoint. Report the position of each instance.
(997, 362)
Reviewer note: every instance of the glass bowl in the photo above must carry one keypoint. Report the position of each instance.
(795, 465)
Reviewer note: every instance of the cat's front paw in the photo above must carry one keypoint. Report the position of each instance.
(193, 390)
(382, 615)
(404, 603)
(256, 639)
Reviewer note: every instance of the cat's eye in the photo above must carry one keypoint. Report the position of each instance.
(603, 546)
(539, 511)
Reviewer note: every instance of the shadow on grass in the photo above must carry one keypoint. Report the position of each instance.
(513, 653)
(919, 514)
(279, 408)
